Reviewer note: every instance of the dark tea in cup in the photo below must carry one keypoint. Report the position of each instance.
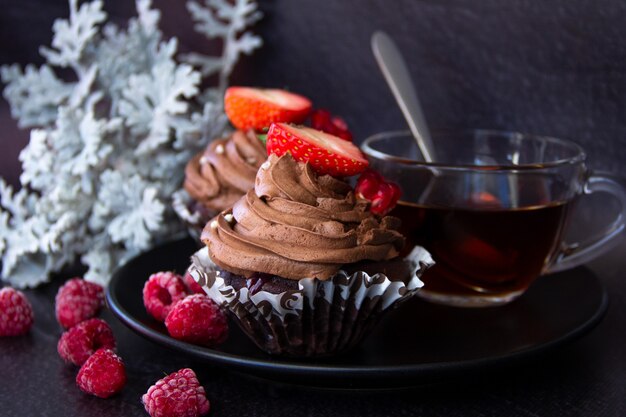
(473, 247)
(492, 210)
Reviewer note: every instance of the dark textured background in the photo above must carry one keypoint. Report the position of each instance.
(548, 67)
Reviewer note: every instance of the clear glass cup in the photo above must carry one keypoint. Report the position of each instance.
(493, 210)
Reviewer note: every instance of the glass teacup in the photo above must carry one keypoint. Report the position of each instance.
(493, 210)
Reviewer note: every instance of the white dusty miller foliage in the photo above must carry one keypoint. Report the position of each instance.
(107, 149)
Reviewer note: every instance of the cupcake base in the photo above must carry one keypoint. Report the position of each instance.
(314, 318)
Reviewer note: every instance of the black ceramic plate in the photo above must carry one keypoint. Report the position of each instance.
(418, 343)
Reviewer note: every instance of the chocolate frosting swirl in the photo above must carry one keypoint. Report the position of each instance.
(296, 224)
(225, 170)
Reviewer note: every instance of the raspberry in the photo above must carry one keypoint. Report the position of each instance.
(192, 286)
(102, 375)
(178, 394)
(81, 341)
(382, 194)
(385, 198)
(367, 184)
(16, 313)
(161, 291)
(78, 300)
(198, 320)
(322, 119)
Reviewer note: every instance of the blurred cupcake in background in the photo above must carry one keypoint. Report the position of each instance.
(225, 170)
(218, 176)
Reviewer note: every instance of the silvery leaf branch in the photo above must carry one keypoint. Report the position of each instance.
(108, 147)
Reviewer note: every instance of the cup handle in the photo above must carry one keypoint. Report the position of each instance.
(574, 254)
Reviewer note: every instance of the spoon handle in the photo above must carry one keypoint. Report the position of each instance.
(395, 71)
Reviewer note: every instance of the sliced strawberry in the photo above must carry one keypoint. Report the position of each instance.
(257, 108)
(382, 194)
(327, 154)
(321, 119)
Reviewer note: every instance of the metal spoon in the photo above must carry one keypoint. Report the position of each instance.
(395, 72)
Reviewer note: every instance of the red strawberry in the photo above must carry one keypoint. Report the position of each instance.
(327, 154)
(321, 119)
(257, 108)
(382, 194)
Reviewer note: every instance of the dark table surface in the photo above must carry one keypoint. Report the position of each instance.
(584, 378)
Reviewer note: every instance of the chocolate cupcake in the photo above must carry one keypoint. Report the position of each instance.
(218, 176)
(304, 267)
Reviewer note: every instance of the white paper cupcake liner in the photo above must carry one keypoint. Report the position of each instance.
(182, 203)
(320, 317)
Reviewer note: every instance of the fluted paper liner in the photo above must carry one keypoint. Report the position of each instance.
(194, 219)
(320, 317)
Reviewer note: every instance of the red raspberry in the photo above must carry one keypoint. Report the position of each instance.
(192, 286)
(16, 313)
(178, 394)
(322, 119)
(385, 198)
(78, 300)
(161, 291)
(197, 319)
(81, 341)
(382, 194)
(102, 375)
